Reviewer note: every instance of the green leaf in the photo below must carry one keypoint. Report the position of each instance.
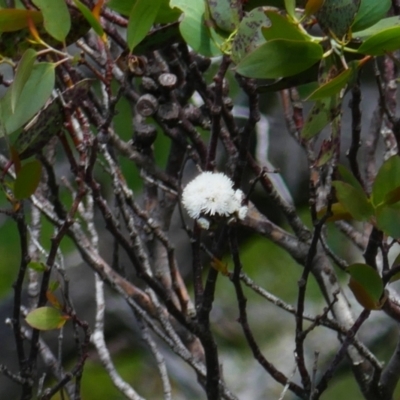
(225, 13)
(387, 180)
(369, 13)
(37, 266)
(57, 20)
(123, 7)
(382, 42)
(12, 19)
(141, 19)
(366, 285)
(322, 113)
(395, 264)
(49, 121)
(34, 95)
(280, 58)
(281, 28)
(382, 25)
(46, 318)
(94, 23)
(337, 16)
(22, 75)
(249, 35)
(290, 6)
(193, 27)
(27, 180)
(339, 82)
(165, 13)
(304, 81)
(388, 219)
(349, 178)
(353, 200)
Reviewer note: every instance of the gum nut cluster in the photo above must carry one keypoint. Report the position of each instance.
(212, 194)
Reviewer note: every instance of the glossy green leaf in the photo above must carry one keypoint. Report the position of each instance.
(141, 19)
(369, 13)
(193, 27)
(12, 19)
(281, 28)
(321, 114)
(46, 318)
(382, 25)
(338, 83)
(382, 42)
(336, 16)
(225, 14)
(366, 285)
(22, 75)
(34, 95)
(249, 35)
(388, 219)
(280, 58)
(27, 180)
(94, 23)
(57, 20)
(353, 200)
(387, 179)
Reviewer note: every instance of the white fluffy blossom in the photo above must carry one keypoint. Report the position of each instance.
(212, 194)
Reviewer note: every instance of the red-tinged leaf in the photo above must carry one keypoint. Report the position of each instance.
(312, 7)
(46, 318)
(27, 180)
(366, 285)
(392, 197)
(12, 19)
(220, 266)
(354, 201)
(338, 213)
(52, 299)
(15, 159)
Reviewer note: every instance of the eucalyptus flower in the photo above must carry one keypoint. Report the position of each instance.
(211, 194)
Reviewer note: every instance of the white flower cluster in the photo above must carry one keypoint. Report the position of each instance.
(212, 194)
